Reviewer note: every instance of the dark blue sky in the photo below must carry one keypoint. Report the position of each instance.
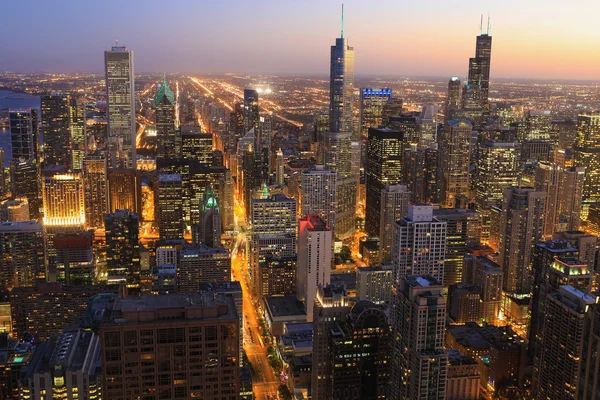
(542, 39)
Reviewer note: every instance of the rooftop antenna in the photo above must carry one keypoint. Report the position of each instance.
(481, 25)
(342, 21)
(489, 27)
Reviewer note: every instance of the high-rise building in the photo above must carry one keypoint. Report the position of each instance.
(209, 228)
(24, 135)
(26, 184)
(68, 365)
(463, 229)
(22, 258)
(475, 94)
(202, 264)
(486, 277)
(123, 248)
(124, 190)
(315, 247)
(319, 194)
(419, 246)
(280, 169)
(455, 155)
(277, 276)
(331, 305)
(197, 146)
(168, 136)
(94, 186)
(196, 321)
(63, 199)
(120, 94)
(521, 226)
(418, 316)
(3, 186)
(14, 210)
(375, 283)
(56, 129)
(452, 99)
(463, 377)
(587, 155)
(383, 166)
(341, 85)
(372, 104)
(571, 198)
(394, 206)
(251, 110)
(559, 371)
(548, 179)
(170, 206)
(337, 157)
(583, 242)
(75, 262)
(16, 354)
(77, 124)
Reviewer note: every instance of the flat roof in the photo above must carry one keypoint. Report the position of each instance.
(282, 306)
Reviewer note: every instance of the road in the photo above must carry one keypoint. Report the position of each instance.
(265, 384)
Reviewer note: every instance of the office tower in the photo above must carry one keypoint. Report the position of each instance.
(26, 184)
(122, 248)
(56, 129)
(394, 206)
(419, 246)
(120, 95)
(587, 154)
(68, 365)
(563, 343)
(538, 126)
(277, 276)
(463, 377)
(475, 101)
(75, 263)
(571, 197)
(15, 355)
(417, 316)
(341, 85)
(549, 178)
(169, 138)
(14, 210)
(319, 194)
(280, 169)
(22, 258)
(124, 190)
(35, 312)
(170, 206)
(497, 168)
(197, 146)
(77, 123)
(3, 186)
(454, 160)
(24, 135)
(94, 187)
(315, 248)
(331, 305)
(521, 226)
(383, 166)
(263, 146)
(337, 157)
(375, 283)
(584, 243)
(209, 228)
(360, 374)
(372, 103)
(486, 277)
(202, 264)
(251, 112)
(452, 99)
(63, 198)
(196, 321)
(463, 229)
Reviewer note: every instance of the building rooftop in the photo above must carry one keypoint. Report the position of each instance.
(455, 357)
(422, 281)
(283, 306)
(24, 226)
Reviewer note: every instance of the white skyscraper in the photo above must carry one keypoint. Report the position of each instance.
(419, 244)
(120, 94)
(314, 260)
(319, 194)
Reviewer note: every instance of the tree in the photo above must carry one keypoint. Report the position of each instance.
(345, 253)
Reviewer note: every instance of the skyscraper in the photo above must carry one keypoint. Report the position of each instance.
(24, 134)
(169, 138)
(341, 85)
(452, 99)
(56, 130)
(571, 198)
(372, 104)
(475, 101)
(170, 206)
(63, 199)
(202, 264)
(75, 262)
(21, 254)
(587, 154)
(279, 169)
(549, 178)
(123, 248)
(120, 94)
(319, 194)
(521, 226)
(26, 183)
(315, 246)
(251, 111)
(394, 206)
(77, 124)
(124, 190)
(455, 156)
(419, 244)
(418, 316)
(94, 186)
(384, 166)
(209, 229)
(14, 210)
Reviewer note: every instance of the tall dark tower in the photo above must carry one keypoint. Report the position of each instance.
(169, 140)
(452, 99)
(251, 116)
(55, 129)
(475, 93)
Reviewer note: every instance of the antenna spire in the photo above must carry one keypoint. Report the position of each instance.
(342, 36)
(481, 25)
(489, 27)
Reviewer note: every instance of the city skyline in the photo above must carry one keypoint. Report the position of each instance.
(433, 39)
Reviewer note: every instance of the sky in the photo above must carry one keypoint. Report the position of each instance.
(542, 39)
